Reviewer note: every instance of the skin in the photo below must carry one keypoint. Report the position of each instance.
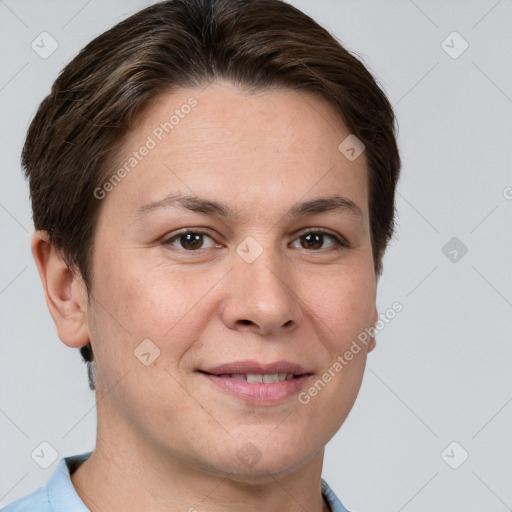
(167, 438)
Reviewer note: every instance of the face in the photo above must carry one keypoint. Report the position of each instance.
(238, 244)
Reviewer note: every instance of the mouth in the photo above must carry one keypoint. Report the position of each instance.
(258, 383)
(256, 378)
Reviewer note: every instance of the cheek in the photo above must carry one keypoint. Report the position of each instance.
(164, 304)
(343, 309)
(342, 304)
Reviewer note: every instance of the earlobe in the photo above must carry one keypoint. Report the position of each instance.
(65, 293)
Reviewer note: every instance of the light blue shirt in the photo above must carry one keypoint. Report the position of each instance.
(59, 495)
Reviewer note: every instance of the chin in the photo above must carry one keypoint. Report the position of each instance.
(262, 473)
(259, 464)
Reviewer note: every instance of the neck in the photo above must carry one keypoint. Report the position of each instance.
(131, 471)
(137, 479)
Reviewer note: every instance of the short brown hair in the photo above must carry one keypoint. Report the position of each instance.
(255, 44)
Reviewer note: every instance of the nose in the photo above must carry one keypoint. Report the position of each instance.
(262, 297)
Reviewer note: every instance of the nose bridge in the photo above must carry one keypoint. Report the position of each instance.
(262, 290)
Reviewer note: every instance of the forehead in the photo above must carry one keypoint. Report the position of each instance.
(268, 145)
(223, 114)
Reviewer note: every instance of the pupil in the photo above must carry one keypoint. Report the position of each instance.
(191, 241)
(314, 241)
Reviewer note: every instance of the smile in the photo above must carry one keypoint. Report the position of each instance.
(257, 382)
(256, 378)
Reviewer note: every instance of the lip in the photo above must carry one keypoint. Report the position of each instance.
(257, 393)
(256, 367)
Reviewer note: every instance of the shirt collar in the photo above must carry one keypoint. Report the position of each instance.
(61, 493)
(331, 499)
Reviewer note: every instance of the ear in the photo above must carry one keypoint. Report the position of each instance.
(372, 343)
(65, 292)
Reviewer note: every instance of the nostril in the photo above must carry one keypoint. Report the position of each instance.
(245, 322)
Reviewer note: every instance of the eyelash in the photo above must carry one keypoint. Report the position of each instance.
(339, 242)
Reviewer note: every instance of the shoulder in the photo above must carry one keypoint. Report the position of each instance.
(58, 494)
(37, 501)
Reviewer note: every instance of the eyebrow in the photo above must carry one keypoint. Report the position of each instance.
(213, 208)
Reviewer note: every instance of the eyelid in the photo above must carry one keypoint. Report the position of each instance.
(339, 240)
(185, 231)
(324, 231)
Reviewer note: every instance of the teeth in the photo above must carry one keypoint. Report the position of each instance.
(257, 378)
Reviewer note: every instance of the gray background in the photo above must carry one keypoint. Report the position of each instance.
(441, 369)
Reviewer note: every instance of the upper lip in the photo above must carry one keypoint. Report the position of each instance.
(256, 367)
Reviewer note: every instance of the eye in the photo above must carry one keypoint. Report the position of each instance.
(314, 239)
(191, 240)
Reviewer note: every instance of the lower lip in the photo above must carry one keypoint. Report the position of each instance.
(259, 392)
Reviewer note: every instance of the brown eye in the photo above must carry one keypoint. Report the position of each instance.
(190, 240)
(312, 241)
(315, 240)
